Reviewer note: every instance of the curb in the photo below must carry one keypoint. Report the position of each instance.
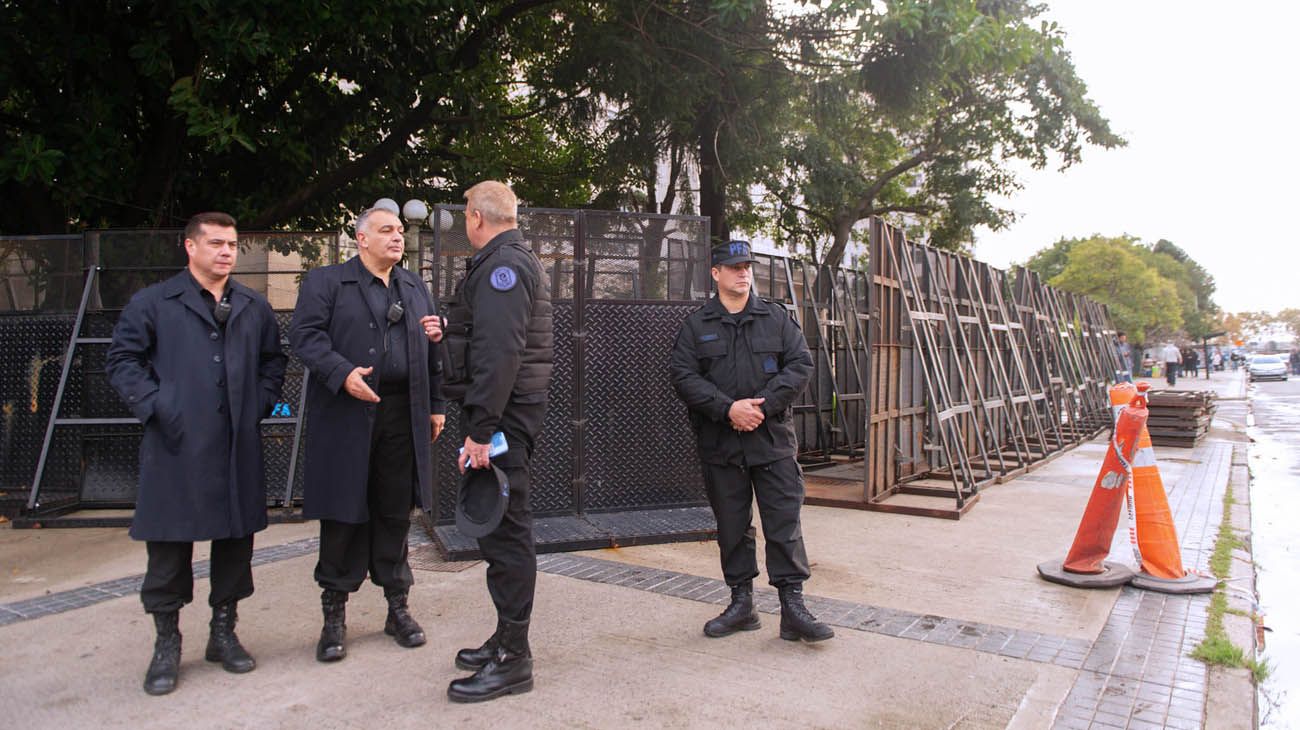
(1227, 687)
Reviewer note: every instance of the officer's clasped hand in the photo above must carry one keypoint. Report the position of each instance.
(746, 414)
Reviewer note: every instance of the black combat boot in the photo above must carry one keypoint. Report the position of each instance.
(509, 671)
(166, 663)
(739, 616)
(334, 605)
(223, 645)
(472, 660)
(796, 621)
(399, 624)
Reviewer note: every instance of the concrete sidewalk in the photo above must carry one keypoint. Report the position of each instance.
(939, 624)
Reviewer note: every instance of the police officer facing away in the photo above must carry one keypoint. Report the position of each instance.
(197, 358)
(373, 407)
(499, 345)
(738, 364)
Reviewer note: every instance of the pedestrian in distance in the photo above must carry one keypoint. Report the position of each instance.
(198, 360)
(1173, 360)
(1125, 352)
(499, 342)
(738, 364)
(1190, 361)
(374, 406)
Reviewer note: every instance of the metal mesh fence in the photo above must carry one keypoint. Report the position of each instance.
(615, 436)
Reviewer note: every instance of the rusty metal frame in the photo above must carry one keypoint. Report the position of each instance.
(1011, 372)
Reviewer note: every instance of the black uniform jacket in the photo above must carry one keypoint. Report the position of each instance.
(716, 361)
(333, 331)
(500, 336)
(201, 392)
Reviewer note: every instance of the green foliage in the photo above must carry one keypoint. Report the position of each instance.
(1216, 648)
(297, 113)
(1201, 316)
(1152, 291)
(1112, 271)
(919, 112)
(277, 112)
(1260, 669)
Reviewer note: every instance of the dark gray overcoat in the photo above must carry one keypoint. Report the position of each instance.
(334, 331)
(201, 394)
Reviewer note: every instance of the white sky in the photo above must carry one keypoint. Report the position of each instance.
(1208, 97)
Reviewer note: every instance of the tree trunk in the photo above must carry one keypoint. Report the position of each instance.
(713, 184)
(843, 231)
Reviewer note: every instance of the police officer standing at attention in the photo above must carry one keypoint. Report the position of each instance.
(500, 346)
(738, 364)
(197, 358)
(373, 407)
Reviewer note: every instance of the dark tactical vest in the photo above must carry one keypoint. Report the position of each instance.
(537, 360)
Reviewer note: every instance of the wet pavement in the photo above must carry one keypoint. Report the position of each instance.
(1275, 493)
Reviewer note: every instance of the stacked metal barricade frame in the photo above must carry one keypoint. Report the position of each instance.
(976, 375)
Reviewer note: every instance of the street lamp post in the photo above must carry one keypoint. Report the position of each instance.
(415, 212)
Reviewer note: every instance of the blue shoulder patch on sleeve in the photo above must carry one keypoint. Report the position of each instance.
(503, 278)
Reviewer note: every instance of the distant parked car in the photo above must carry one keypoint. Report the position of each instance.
(1267, 367)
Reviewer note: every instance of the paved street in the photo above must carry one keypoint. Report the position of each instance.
(1275, 463)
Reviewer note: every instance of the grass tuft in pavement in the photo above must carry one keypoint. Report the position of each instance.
(1216, 648)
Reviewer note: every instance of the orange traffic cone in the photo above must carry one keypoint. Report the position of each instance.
(1161, 559)
(1086, 566)
(1121, 395)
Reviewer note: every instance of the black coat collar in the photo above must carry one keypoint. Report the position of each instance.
(755, 307)
(184, 286)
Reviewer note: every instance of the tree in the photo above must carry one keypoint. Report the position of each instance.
(1195, 285)
(1142, 303)
(1291, 318)
(276, 112)
(1251, 325)
(1051, 261)
(1187, 288)
(919, 111)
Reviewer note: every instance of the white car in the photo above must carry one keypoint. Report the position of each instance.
(1267, 367)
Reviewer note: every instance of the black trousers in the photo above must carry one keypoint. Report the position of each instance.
(378, 546)
(509, 550)
(169, 580)
(779, 489)
(1171, 373)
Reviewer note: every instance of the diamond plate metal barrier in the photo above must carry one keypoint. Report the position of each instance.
(641, 449)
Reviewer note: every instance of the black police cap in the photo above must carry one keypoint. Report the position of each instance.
(732, 252)
(481, 501)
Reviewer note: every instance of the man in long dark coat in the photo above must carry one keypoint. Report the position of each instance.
(198, 360)
(373, 407)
